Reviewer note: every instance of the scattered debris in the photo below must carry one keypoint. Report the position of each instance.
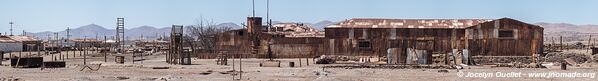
(79, 79)
(205, 73)
(443, 71)
(393, 66)
(10, 78)
(54, 64)
(122, 78)
(160, 67)
(325, 60)
(169, 78)
(520, 65)
(223, 72)
(570, 61)
(557, 57)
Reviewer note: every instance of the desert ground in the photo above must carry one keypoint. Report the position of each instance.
(154, 68)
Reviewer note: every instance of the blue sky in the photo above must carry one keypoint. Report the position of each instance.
(56, 15)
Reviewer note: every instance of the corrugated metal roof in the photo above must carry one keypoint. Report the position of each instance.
(407, 23)
(23, 38)
(5, 39)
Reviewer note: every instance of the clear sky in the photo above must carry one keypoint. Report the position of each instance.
(56, 15)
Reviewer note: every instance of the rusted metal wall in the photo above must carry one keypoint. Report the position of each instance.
(234, 42)
(481, 40)
(527, 39)
(340, 41)
(240, 42)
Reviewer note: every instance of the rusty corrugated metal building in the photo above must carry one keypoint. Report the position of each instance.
(479, 38)
(468, 38)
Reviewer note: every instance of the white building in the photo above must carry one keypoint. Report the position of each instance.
(8, 45)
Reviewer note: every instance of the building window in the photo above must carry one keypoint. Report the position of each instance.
(364, 44)
(240, 33)
(506, 34)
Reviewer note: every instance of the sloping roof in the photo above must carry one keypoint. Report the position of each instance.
(407, 23)
(6, 39)
(23, 38)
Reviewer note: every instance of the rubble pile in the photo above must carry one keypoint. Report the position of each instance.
(558, 57)
(329, 59)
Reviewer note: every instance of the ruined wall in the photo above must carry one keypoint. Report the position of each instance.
(298, 47)
(485, 39)
(234, 42)
(241, 42)
(345, 41)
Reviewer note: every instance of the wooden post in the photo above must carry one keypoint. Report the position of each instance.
(29, 51)
(133, 57)
(105, 56)
(240, 67)
(85, 54)
(307, 61)
(38, 51)
(53, 59)
(589, 42)
(561, 41)
(2, 56)
(299, 62)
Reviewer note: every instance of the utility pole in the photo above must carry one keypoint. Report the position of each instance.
(50, 43)
(589, 44)
(143, 43)
(561, 41)
(55, 43)
(105, 56)
(269, 21)
(68, 36)
(253, 7)
(11, 27)
(85, 54)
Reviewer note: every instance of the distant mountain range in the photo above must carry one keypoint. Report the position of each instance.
(569, 32)
(93, 31)
(565, 27)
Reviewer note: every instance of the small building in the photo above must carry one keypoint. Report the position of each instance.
(8, 45)
(20, 43)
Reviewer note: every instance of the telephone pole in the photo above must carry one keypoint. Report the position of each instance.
(11, 27)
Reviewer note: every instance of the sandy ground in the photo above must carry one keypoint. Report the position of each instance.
(207, 70)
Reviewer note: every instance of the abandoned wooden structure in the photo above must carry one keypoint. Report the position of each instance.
(402, 41)
(176, 53)
(253, 42)
(420, 38)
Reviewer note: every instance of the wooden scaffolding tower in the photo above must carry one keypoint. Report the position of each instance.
(176, 53)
